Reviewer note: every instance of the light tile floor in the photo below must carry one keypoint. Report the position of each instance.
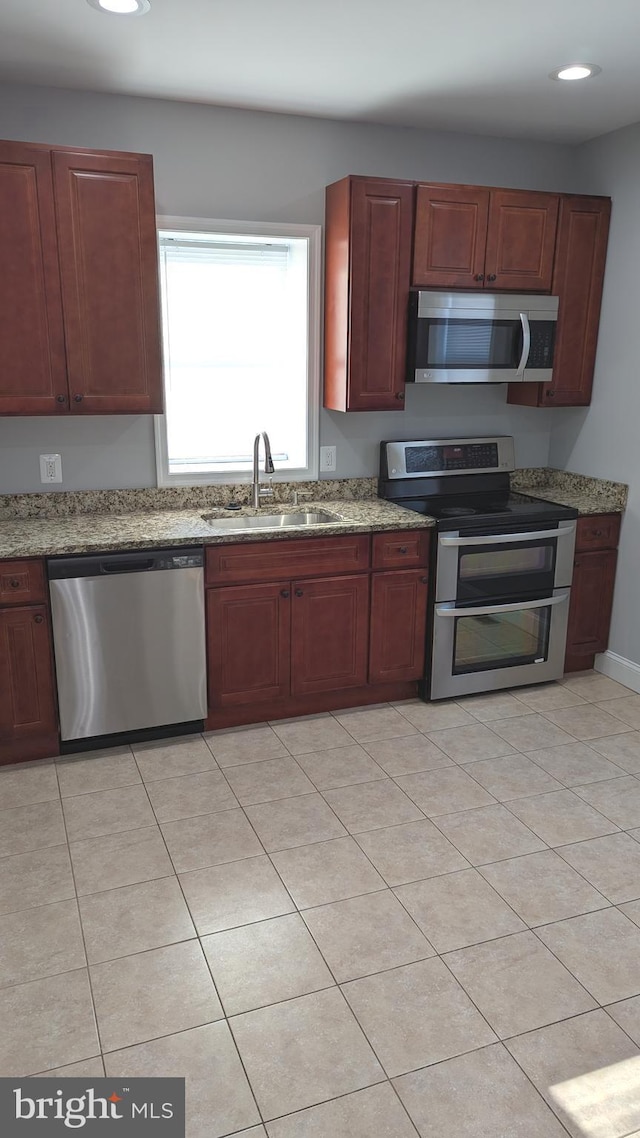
(391, 921)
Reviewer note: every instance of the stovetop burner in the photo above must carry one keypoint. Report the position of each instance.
(456, 511)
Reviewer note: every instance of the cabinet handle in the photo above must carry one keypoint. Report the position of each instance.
(15, 584)
(402, 549)
(38, 619)
(550, 394)
(491, 277)
(479, 276)
(61, 399)
(77, 399)
(299, 593)
(424, 580)
(284, 592)
(399, 394)
(597, 533)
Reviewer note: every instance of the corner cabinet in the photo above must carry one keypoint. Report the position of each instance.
(369, 232)
(79, 302)
(594, 572)
(578, 279)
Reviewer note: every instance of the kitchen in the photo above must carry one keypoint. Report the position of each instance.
(366, 574)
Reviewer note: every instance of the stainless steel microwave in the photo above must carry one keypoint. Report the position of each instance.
(467, 337)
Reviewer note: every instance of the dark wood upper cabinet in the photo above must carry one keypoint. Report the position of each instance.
(521, 238)
(32, 359)
(450, 236)
(28, 720)
(109, 273)
(79, 305)
(578, 279)
(329, 634)
(369, 226)
(398, 626)
(248, 650)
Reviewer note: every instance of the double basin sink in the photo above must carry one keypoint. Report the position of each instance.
(272, 521)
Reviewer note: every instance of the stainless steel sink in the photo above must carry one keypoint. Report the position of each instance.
(272, 521)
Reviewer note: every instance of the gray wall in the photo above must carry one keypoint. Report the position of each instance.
(220, 162)
(604, 439)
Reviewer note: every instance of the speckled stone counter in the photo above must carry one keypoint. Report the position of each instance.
(586, 495)
(42, 536)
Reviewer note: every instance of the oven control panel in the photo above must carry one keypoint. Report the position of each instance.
(421, 458)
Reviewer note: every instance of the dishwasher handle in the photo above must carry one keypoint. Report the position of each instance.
(127, 565)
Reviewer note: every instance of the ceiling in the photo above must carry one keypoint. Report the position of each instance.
(477, 65)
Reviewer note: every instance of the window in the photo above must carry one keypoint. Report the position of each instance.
(240, 308)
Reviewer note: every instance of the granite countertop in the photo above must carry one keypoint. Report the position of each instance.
(586, 495)
(92, 533)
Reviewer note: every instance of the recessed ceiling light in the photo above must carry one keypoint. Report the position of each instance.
(121, 7)
(574, 71)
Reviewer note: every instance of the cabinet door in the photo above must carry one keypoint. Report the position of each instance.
(398, 626)
(591, 602)
(248, 643)
(329, 628)
(450, 236)
(521, 238)
(28, 725)
(578, 280)
(109, 271)
(33, 374)
(369, 225)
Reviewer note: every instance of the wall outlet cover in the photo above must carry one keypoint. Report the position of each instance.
(50, 468)
(327, 458)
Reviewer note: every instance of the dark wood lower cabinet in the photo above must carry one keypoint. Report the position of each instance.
(590, 606)
(398, 619)
(329, 634)
(249, 643)
(28, 716)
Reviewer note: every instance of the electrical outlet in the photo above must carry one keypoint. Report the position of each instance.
(327, 458)
(50, 468)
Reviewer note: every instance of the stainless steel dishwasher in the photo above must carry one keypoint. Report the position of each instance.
(129, 641)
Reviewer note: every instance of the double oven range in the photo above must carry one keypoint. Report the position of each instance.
(501, 562)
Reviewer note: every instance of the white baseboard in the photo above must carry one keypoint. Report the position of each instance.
(618, 668)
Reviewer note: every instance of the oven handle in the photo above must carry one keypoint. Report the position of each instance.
(489, 610)
(502, 538)
(526, 343)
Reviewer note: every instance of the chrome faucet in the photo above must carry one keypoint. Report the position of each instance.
(259, 491)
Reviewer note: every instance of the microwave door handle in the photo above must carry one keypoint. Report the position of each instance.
(504, 538)
(526, 343)
(491, 610)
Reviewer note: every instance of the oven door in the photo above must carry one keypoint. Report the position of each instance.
(486, 647)
(477, 568)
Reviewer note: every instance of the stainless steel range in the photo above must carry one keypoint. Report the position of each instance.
(502, 564)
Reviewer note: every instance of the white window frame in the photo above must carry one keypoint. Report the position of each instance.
(313, 235)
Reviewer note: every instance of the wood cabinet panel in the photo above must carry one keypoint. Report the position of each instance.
(398, 626)
(591, 602)
(28, 724)
(109, 273)
(401, 550)
(450, 236)
(329, 634)
(521, 236)
(368, 238)
(22, 582)
(248, 643)
(33, 374)
(598, 531)
(273, 560)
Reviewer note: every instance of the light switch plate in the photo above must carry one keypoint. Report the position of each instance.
(327, 458)
(50, 468)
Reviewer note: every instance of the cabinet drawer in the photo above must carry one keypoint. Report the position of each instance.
(22, 582)
(602, 531)
(401, 550)
(278, 560)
